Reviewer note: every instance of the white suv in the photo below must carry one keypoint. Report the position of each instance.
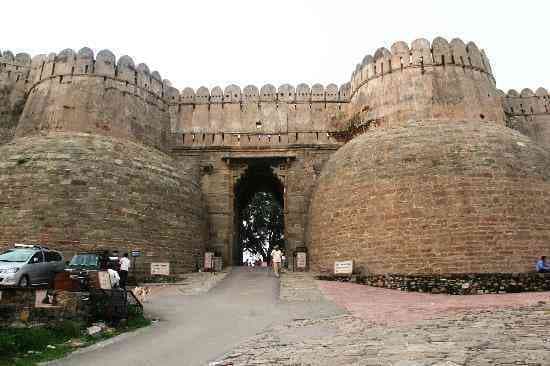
(27, 265)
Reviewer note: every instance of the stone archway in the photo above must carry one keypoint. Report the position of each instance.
(257, 176)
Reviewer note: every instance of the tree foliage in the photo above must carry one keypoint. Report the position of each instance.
(262, 225)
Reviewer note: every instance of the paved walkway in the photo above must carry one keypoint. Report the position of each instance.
(392, 328)
(384, 306)
(197, 329)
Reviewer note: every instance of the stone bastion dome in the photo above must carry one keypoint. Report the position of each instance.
(84, 192)
(432, 197)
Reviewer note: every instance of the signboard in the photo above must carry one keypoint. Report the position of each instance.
(136, 253)
(208, 260)
(301, 261)
(104, 280)
(160, 268)
(343, 267)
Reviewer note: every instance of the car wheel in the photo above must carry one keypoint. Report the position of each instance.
(24, 281)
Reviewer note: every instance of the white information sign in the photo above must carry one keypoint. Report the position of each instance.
(343, 267)
(104, 280)
(301, 261)
(160, 269)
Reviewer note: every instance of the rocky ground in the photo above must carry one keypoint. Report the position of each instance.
(391, 328)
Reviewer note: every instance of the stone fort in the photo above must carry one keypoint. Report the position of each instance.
(417, 165)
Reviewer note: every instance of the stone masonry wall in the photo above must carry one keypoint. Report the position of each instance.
(77, 92)
(270, 111)
(81, 192)
(14, 71)
(462, 284)
(221, 169)
(457, 197)
(529, 113)
(438, 80)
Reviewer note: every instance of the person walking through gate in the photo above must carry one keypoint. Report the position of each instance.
(276, 257)
(124, 267)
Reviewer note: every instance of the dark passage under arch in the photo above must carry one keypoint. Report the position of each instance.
(259, 213)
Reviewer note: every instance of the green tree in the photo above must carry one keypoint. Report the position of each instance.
(262, 225)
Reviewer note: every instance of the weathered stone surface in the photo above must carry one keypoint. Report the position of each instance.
(458, 284)
(294, 130)
(529, 113)
(87, 192)
(492, 337)
(433, 197)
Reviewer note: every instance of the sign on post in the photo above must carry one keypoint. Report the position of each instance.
(160, 269)
(301, 261)
(136, 253)
(343, 268)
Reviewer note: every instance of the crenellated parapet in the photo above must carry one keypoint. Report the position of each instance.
(268, 93)
(426, 80)
(82, 92)
(526, 103)
(257, 116)
(14, 72)
(69, 64)
(528, 111)
(14, 67)
(421, 54)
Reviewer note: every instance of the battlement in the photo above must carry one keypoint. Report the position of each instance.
(268, 93)
(526, 102)
(529, 113)
(15, 68)
(69, 64)
(421, 54)
(440, 81)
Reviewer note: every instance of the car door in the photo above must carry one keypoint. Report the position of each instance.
(54, 264)
(35, 267)
(39, 268)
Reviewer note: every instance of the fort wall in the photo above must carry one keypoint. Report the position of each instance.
(529, 113)
(426, 81)
(14, 72)
(81, 192)
(258, 116)
(77, 92)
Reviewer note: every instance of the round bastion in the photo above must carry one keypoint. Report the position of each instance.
(81, 192)
(433, 197)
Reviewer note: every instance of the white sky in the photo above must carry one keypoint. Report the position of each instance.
(194, 43)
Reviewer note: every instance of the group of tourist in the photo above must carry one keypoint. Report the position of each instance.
(120, 278)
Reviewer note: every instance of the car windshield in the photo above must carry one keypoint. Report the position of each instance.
(85, 260)
(17, 255)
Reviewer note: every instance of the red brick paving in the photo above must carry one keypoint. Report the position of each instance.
(384, 306)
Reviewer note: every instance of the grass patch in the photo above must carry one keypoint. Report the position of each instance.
(29, 346)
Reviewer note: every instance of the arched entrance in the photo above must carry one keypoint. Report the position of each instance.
(259, 213)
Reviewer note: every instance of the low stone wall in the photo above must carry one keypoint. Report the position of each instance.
(18, 307)
(462, 284)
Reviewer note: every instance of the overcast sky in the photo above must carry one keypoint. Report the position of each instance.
(194, 43)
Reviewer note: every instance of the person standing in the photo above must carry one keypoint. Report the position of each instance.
(124, 268)
(276, 257)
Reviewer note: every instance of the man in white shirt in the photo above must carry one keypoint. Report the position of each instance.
(124, 268)
(276, 258)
